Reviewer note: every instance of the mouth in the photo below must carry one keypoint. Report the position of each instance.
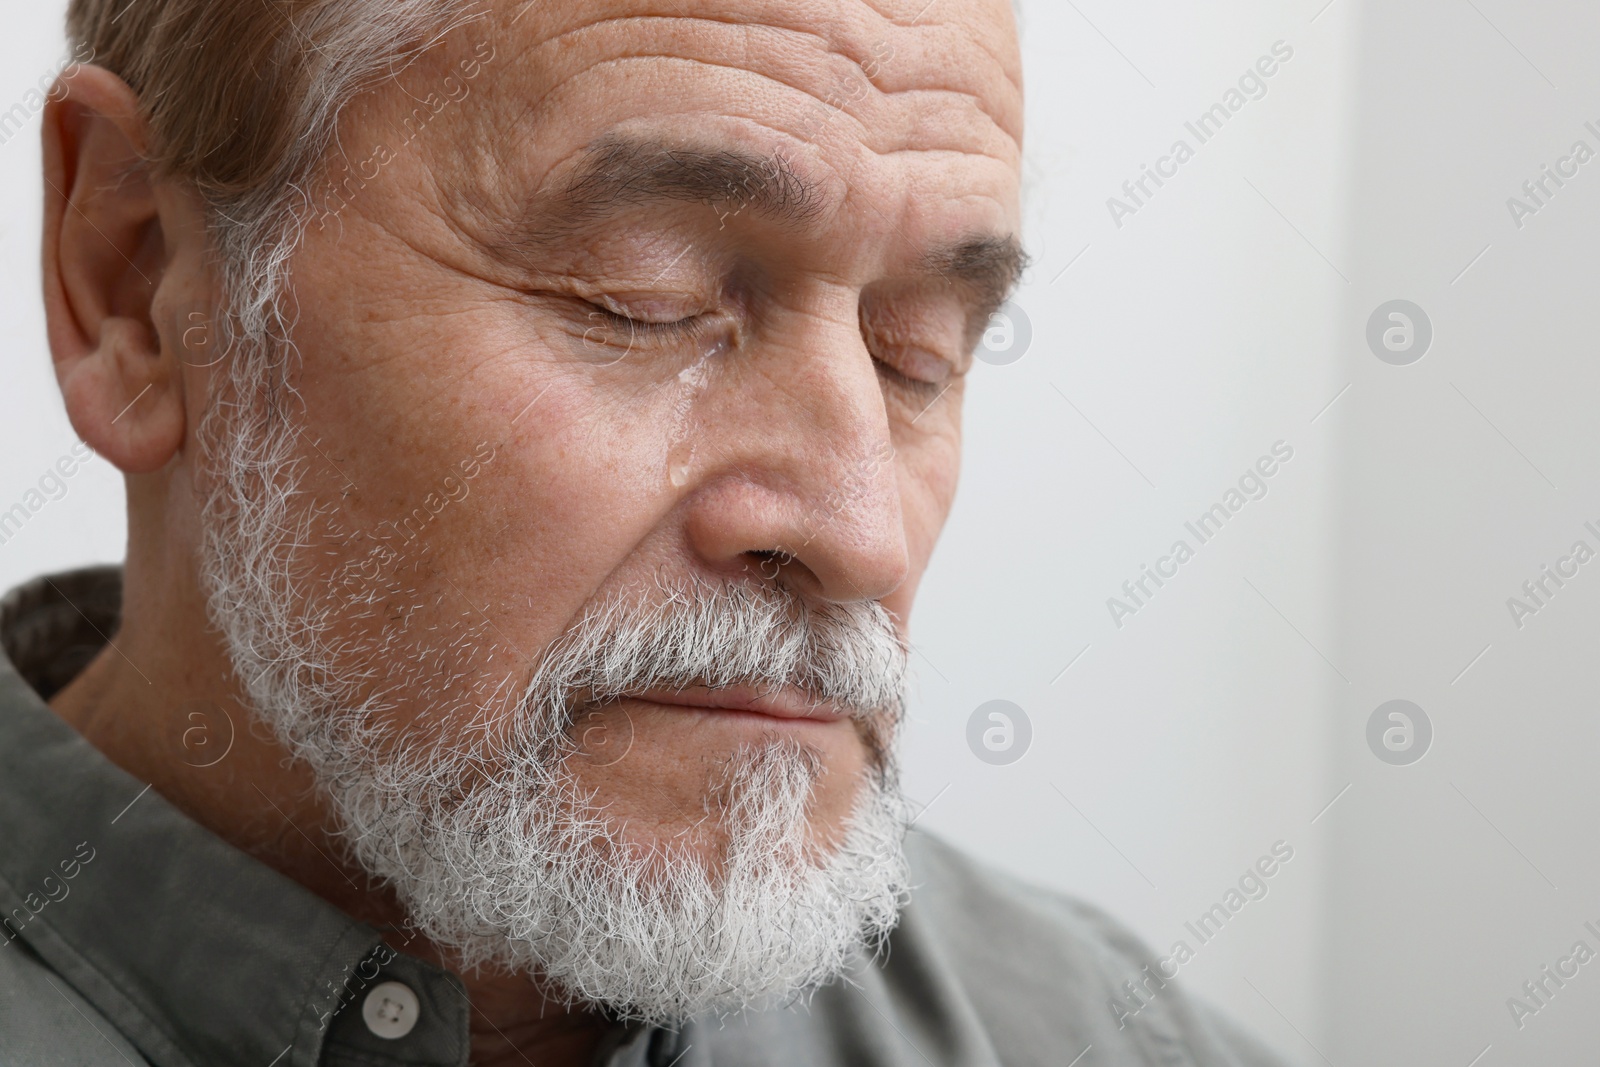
(788, 704)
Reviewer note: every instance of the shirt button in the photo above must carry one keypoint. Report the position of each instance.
(390, 1010)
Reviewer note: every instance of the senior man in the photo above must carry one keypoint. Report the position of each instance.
(536, 418)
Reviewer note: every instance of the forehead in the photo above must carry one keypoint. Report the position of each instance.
(891, 118)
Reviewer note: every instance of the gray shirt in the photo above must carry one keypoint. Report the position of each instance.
(131, 935)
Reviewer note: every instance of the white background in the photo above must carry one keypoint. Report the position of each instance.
(1168, 354)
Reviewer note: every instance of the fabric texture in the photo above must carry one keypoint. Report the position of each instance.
(132, 935)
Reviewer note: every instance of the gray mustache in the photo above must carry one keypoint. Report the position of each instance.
(699, 634)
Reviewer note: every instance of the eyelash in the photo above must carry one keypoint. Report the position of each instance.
(916, 386)
(682, 329)
(691, 327)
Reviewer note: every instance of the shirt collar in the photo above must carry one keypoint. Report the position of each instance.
(196, 952)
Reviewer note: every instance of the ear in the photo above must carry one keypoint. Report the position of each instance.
(105, 252)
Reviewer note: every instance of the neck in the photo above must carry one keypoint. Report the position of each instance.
(164, 706)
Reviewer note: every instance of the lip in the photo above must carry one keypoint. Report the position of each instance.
(790, 702)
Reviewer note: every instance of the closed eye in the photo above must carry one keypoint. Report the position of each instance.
(631, 327)
(917, 387)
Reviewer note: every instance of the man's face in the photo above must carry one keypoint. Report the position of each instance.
(615, 296)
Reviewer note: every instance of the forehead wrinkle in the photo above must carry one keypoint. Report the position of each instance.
(568, 37)
(850, 42)
(1007, 61)
(841, 39)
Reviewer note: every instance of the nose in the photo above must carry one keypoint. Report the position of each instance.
(803, 487)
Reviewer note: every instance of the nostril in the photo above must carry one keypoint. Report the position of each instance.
(785, 568)
(769, 563)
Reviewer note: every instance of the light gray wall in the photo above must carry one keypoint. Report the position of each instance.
(1459, 877)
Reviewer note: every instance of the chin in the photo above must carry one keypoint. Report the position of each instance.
(662, 775)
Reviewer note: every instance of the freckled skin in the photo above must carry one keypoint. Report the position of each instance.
(426, 337)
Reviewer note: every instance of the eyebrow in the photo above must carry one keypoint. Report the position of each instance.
(991, 266)
(621, 172)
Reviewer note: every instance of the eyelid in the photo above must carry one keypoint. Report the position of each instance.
(923, 340)
(904, 380)
(925, 366)
(635, 330)
(656, 309)
(912, 362)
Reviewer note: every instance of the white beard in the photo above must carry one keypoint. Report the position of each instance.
(480, 825)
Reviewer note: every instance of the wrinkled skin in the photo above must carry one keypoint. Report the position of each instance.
(802, 427)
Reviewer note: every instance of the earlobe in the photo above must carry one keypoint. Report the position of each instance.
(105, 256)
(124, 400)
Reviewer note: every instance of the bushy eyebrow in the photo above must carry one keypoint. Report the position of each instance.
(990, 266)
(621, 172)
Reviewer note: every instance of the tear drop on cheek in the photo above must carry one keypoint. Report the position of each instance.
(692, 383)
(680, 458)
(718, 346)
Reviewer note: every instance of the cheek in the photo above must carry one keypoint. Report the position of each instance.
(928, 472)
(472, 584)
